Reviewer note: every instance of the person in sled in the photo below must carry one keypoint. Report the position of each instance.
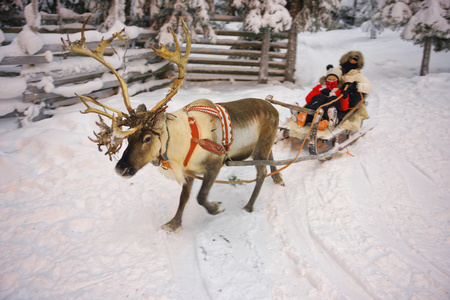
(356, 85)
(326, 91)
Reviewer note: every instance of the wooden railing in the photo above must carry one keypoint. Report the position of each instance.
(229, 58)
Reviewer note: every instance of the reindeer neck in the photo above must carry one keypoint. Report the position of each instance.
(178, 137)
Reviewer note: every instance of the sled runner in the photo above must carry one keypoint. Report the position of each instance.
(330, 139)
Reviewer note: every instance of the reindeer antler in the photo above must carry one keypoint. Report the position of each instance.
(79, 46)
(180, 60)
(112, 136)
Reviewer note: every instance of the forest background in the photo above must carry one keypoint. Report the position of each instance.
(424, 22)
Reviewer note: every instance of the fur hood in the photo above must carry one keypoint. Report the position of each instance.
(350, 54)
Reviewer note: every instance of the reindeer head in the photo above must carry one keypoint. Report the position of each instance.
(145, 128)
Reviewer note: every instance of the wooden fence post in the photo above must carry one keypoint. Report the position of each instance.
(264, 60)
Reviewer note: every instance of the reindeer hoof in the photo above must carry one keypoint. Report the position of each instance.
(249, 208)
(277, 179)
(172, 227)
(215, 208)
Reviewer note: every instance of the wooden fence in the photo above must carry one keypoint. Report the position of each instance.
(50, 72)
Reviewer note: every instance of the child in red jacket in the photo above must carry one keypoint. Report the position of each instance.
(326, 91)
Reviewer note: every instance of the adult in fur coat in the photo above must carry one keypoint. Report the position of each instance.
(355, 84)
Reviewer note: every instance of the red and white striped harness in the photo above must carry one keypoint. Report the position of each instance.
(227, 131)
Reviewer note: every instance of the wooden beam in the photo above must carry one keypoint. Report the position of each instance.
(241, 43)
(232, 71)
(281, 35)
(26, 60)
(235, 52)
(234, 62)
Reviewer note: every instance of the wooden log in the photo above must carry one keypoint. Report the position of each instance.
(241, 43)
(234, 62)
(232, 71)
(281, 35)
(214, 77)
(26, 60)
(226, 18)
(235, 52)
(231, 78)
(55, 17)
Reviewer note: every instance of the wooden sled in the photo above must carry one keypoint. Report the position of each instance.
(331, 139)
(322, 145)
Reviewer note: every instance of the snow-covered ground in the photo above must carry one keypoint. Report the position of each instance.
(375, 225)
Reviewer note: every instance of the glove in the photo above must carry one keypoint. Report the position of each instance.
(325, 92)
(344, 94)
(353, 87)
(345, 86)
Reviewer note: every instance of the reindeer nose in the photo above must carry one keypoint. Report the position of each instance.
(124, 171)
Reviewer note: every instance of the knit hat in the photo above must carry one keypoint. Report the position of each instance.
(334, 71)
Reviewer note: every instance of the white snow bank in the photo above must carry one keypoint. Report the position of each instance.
(374, 225)
(81, 89)
(29, 42)
(11, 87)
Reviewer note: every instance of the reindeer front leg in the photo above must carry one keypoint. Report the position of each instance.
(209, 178)
(174, 225)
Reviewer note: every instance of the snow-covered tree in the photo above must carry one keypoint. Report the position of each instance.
(424, 22)
(260, 14)
(164, 14)
(357, 12)
(116, 13)
(371, 25)
(429, 26)
(364, 10)
(395, 13)
(8, 8)
(316, 14)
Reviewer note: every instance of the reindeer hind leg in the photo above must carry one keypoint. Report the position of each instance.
(277, 176)
(261, 172)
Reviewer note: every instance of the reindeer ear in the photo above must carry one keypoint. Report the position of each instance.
(160, 121)
(141, 108)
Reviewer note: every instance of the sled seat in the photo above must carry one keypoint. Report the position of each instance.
(351, 122)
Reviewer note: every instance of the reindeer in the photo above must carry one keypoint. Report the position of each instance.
(187, 142)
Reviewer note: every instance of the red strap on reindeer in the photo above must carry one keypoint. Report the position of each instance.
(204, 143)
(227, 131)
(220, 112)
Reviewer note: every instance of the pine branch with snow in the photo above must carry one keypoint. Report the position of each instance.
(116, 14)
(316, 15)
(432, 20)
(394, 13)
(196, 13)
(260, 14)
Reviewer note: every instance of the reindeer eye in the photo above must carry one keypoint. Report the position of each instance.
(147, 139)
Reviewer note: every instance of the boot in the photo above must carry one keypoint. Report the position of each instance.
(332, 116)
(301, 119)
(323, 125)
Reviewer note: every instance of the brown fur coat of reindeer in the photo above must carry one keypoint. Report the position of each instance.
(155, 136)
